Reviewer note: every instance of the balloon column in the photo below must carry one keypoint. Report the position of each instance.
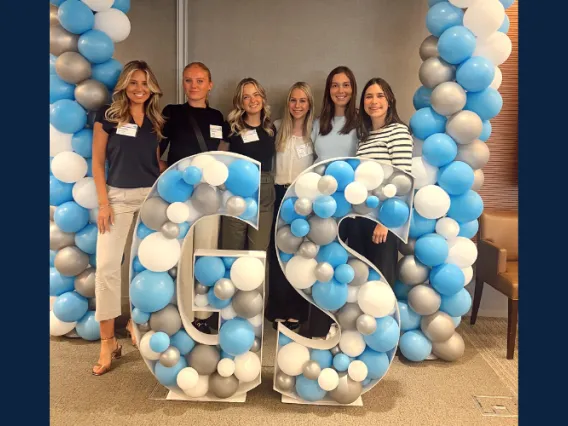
(454, 107)
(82, 77)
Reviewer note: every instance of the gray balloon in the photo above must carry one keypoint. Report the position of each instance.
(347, 391)
(324, 272)
(71, 261)
(322, 231)
(224, 289)
(424, 300)
(307, 290)
(53, 15)
(362, 208)
(464, 127)
(402, 182)
(478, 179)
(335, 350)
(327, 185)
(85, 283)
(59, 239)
(347, 316)
(202, 315)
(72, 67)
(448, 98)
(92, 304)
(366, 324)
(204, 359)
(256, 345)
(201, 289)
(285, 383)
(52, 212)
(222, 187)
(361, 272)
(320, 170)
(170, 357)
(61, 40)
(311, 370)
(434, 71)
(91, 94)
(248, 304)
(236, 205)
(475, 154)
(153, 213)
(173, 272)
(437, 327)
(303, 206)
(308, 250)
(206, 198)
(408, 248)
(167, 320)
(144, 328)
(451, 349)
(429, 48)
(286, 241)
(410, 271)
(170, 230)
(223, 387)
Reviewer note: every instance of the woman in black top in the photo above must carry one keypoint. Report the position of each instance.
(127, 134)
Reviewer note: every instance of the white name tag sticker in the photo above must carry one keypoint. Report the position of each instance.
(215, 132)
(304, 150)
(127, 130)
(250, 136)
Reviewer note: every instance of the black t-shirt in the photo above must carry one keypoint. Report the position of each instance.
(179, 133)
(261, 150)
(132, 160)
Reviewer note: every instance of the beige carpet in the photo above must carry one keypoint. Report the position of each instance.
(468, 392)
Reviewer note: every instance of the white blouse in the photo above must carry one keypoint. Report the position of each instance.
(297, 156)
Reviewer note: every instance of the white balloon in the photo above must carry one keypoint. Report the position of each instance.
(52, 300)
(200, 389)
(226, 367)
(256, 321)
(187, 378)
(300, 272)
(447, 228)
(58, 141)
(462, 3)
(69, 167)
(247, 366)
(497, 80)
(158, 253)
(356, 193)
(307, 186)
(462, 252)
(431, 202)
(114, 23)
(357, 370)
(184, 164)
(484, 17)
(225, 197)
(497, 48)
(376, 298)
(389, 190)
(468, 274)
(352, 293)
(370, 174)
(200, 300)
(215, 173)
(193, 214)
(352, 343)
(201, 161)
(292, 357)
(58, 327)
(424, 173)
(85, 193)
(145, 349)
(328, 379)
(98, 5)
(228, 312)
(177, 212)
(247, 273)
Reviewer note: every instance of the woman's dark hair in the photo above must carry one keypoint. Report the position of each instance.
(328, 107)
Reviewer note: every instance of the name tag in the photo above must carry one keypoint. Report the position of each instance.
(127, 130)
(215, 132)
(304, 150)
(250, 136)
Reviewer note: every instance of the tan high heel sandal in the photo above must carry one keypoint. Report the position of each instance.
(130, 332)
(116, 354)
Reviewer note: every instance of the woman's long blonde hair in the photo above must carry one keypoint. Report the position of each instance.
(119, 111)
(286, 128)
(236, 116)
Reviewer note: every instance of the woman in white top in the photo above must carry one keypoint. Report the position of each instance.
(294, 153)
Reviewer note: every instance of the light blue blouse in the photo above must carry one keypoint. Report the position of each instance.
(334, 144)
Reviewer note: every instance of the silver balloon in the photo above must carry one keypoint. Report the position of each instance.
(206, 198)
(204, 359)
(475, 154)
(92, 94)
(347, 391)
(366, 324)
(144, 328)
(256, 345)
(327, 185)
(437, 327)
(429, 48)
(223, 387)
(153, 213)
(222, 187)
(202, 315)
(311, 370)
(61, 40)
(285, 383)
(92, 304)
(324, 272)
(434, 71)
(170, 230)
(303, 206)
(72, 67)
(71, 261)
(362, 208)
(167, 320)
(347, 316)
(308, 250)
(424, 300)
(322, 231)
(201, 289)
(52, 212)
(85, 283)
(248, 304)
(236, 205)
(408, 248)
(320, 170)
(410, 271)
(361, 272)
(173, 272)
(53, 15)
(286, 241)
(335, 350)
(464, 127)
(59, 239)
(478, 179)
(170, 357)
(448, 98)
(402, 182)
(307, 291)
(451, 349)
(224, 289)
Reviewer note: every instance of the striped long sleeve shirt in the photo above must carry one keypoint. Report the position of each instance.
(391, 143)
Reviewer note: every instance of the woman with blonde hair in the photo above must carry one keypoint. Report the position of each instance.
(126, 133)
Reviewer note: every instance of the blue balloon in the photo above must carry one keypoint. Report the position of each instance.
(183, 230)
(139, 316)
(56, 2)
(59, 192)
(442, 16)
(476, 74)
(59, 89)
(353, 162)
(487, 103)
(374, 275)
(243, 179)
(456, 44)
(75, 16)
(342, 172)
(507, 3)
(82, 143)
(433, 2)
(287, 212)
(456, 321)
(504, 28)
(409, 320)
(425, 122)
(325, 206)
(283, 340)
(88, 328)
(217, 303)
(52, 59)
(172, 187)
(439, 149)
(137, 266)
(236, 336)
(447, 279)
(419, 225)
(251, 209)
(309, 390)
(343, 206)
(285, 257)
(228, 261)
(143, 231)
(469, 229)
(465, 207)
(86, 239)
(330, 295)
(372, 202)
(344, 273)
(93, 260)
(96, 46)
(300, 227)
(71, 217)
(415, 346)
(393, 212)
(421, 98)
(159, 342)
(456, 178)
(486, 132)
(341, 362)
(70, 306)
(401, 290)
(107, 73)
(52, 254)
(67, 116)
(209, 270)
(192, 175)
(122, 5)
(385, 337)
(377, 363)
(226, 355)
(59, 284)
(167, 376)
(457, 304)
(183, 342)
(332, 253)
(431, 249)
(151, 291)
(323, 357)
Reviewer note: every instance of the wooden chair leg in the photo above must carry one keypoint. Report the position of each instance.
(512, 327)
(476, 299)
